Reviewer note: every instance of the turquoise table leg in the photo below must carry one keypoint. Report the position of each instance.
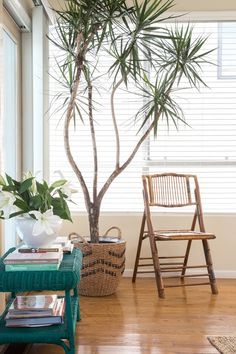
(76, 297)
(70, 322)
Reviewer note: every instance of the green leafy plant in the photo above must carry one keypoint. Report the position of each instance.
(132, 37)
(34, 199)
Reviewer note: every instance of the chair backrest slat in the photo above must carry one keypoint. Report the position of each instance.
(171, 190)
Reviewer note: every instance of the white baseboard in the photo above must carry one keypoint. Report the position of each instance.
(227, 274)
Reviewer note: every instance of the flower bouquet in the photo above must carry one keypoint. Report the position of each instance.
(38, 207)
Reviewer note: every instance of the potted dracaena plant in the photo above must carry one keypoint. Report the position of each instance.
(132, 37)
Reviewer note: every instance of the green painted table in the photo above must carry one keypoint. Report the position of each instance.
(66, 279)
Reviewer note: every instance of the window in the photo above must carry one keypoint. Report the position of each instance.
(226, 50)
(206, 146)
(10, 119)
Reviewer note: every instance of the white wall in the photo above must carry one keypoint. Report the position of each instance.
(28, 5)
(223, 247)
(203, 5)
(181, 5)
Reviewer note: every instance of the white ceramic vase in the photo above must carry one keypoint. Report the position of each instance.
(24, 228)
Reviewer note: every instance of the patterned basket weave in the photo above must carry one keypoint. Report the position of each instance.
(103, 264)
(224, 344)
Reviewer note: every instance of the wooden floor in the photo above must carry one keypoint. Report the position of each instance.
(136, 321)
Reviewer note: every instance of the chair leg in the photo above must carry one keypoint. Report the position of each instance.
(186, 258)
(208, 258)
(139, 249)
(157, 268)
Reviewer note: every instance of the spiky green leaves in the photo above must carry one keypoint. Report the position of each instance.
(158, 105)
(182, 55)
(131, 40)
(179, 56)
(133, 37)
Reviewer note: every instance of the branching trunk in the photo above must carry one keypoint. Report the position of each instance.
(121, 168)
(94, 209)
(81, 53)
(70, 108)
(118, 171)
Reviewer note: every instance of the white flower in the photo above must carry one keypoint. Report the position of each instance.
(68, 189)
(2, 180)
(7, 200)
(33, 188)
(46, 222)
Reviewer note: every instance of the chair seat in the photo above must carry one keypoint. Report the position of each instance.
(163, 235)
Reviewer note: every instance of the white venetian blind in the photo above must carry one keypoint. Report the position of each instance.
(207, 147)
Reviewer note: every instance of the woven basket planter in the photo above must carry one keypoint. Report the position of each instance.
(103, 264)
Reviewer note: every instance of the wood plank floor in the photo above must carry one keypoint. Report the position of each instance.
(136, 321)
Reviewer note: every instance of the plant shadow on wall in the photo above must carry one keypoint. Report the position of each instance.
(128, 39)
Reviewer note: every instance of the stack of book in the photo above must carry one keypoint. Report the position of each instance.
(26, 259)
(31, 259)
(35, 311)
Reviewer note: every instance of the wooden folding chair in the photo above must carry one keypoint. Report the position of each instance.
(171, 190)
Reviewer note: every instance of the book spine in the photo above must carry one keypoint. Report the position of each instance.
(37, 261)
(30, 267)
(34, 321)
(38, 250)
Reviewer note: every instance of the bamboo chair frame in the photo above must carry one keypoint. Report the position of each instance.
(171, 190)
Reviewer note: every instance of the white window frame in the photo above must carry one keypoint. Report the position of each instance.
(35, 99)
(13, 140)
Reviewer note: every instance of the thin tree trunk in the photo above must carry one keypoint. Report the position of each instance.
(115, 123)
(67, 140)
(93, 217)
(93, 137)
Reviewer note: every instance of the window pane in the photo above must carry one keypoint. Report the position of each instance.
(9, 122)
(210, 132)
(227, 50)
(206, 145)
